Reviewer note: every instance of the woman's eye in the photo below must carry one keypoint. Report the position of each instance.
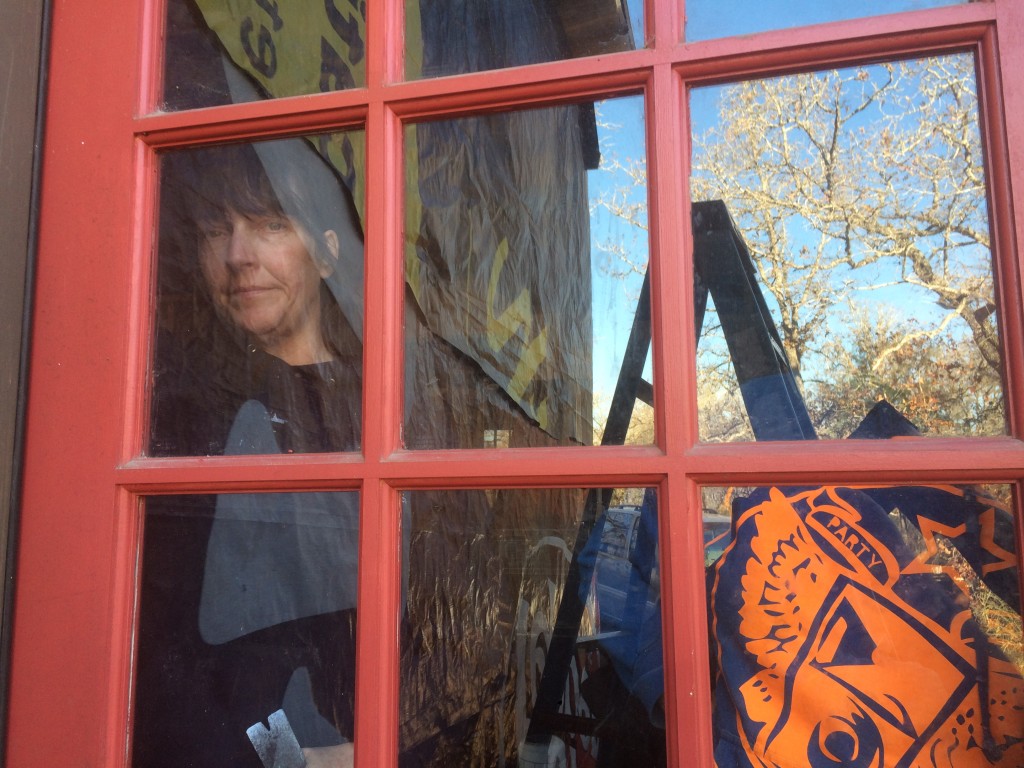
(213, 232)
(276, 225)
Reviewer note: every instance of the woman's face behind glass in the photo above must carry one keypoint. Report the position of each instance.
(263, 279)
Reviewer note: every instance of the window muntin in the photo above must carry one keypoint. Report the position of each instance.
(526, 256)
(247, 608)
(860, 196)
(856, 622)
(502, 583)
(708, 19)
(260, 307)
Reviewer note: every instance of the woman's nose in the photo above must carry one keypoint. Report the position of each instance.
(240, 252)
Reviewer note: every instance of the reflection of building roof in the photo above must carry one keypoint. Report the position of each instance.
(711, 518)
(595, 26)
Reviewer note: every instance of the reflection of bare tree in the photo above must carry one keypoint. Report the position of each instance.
(936, 381)
(625, 201)
(932, 215)
(873, 174)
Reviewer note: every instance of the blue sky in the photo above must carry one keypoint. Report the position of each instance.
(621, 134)
(707, 19)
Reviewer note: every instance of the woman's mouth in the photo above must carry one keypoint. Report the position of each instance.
(244, 291)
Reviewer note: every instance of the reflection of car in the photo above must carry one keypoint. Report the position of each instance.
(716, 536)
(614, 564)
(613, 567)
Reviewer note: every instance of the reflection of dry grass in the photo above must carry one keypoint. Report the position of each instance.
(1000, 623)
(998, 620)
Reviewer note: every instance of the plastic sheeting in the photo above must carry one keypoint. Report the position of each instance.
(498, 339)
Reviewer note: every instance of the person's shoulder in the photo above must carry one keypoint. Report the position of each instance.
(194, 398)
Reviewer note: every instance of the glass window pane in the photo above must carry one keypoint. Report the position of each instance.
(534, 629)
(230, 51)
(259, 307)
(706, 19)
(247, 611)
(867, 626)
(454, 37)
(841, 242)
(526, 256)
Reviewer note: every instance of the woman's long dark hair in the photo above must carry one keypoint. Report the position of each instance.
(204, 365)
(206, 184)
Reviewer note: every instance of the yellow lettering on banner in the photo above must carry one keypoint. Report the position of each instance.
(526, 371)
(516, 315)
(516, 319)
(293, 49)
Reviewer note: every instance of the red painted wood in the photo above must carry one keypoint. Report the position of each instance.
(1010, 38)
(69, 673)
(1003, 59)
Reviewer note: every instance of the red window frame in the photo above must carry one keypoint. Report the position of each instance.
(83, 481)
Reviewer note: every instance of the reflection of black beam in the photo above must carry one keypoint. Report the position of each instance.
(592, 27)
(556, 722)
(723, 268)
(545, 719)
(630, 382)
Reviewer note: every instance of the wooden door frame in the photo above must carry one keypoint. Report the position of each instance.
(22, 36)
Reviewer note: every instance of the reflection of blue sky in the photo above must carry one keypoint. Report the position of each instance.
(879, 290)
(635, 9)
(616, 288)
(708, 19)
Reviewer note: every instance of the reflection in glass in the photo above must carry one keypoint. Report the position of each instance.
(707, 19)
(454, 37)
(230, 51)
(259, 311)
(867, 626)
(842, 248)
(247, 609)
(527, 318)
(534, 629)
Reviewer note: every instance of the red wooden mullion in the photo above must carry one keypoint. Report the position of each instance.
(1006, 117)
(686, 668)
(1002, 61)
(578, 79)
(380, 540)
(997, 459)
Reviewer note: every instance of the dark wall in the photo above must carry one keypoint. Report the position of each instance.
(20, 46)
